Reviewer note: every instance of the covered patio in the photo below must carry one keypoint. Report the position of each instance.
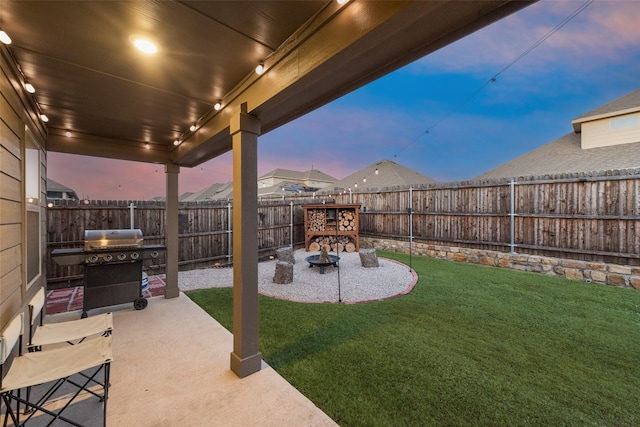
(171, 367)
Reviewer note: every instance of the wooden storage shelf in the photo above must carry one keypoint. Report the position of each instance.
(323, 224)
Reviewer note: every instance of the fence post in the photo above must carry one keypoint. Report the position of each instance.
(132, 208)
(291, 223)
(229, 242)
(512, 216)
(410, 224)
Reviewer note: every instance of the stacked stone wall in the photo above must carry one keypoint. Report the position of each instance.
(587, 271)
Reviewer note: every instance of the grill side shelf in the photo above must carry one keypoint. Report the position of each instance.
(64, 257)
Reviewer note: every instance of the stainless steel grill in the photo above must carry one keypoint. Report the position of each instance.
(112, 262)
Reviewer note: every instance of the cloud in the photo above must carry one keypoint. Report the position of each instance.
(606, 27)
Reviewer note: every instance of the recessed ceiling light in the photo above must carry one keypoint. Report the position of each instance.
(68, 134)
(218, 106)
(145, 46)
(147, 146)
(192, 128)
(260, 69)
(4, 37)
(176, 142)
(29, 87)
(44, 118)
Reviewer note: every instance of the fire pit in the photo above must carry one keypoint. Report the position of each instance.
(322, 260)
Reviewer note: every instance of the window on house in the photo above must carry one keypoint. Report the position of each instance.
(32, 204)
(624, 122)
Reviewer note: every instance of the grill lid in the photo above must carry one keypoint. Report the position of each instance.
(101, 240)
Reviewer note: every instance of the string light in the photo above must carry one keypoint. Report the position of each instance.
(217, 106)
(145, 46)
(4, 37)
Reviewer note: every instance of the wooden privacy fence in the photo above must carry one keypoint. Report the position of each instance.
(578, 216)
(591, 217)
(205, 230)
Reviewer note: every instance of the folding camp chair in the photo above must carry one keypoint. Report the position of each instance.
(71, 331)
(40, 367)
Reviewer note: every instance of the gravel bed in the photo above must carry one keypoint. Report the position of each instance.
(357, 284)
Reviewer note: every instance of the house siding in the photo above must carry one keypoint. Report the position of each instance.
(15, 121)
(599, 133)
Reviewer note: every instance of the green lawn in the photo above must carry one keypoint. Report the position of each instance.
(470, 345)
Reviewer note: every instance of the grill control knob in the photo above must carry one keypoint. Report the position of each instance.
(108, 257)
(93, 258)
(154, 254)
(122, 257)
(135, 255)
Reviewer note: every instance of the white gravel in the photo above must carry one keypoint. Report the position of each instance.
(355, 283)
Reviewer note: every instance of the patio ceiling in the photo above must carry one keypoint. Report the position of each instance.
(91, 81)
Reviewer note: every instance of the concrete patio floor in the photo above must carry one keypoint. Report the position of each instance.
(171, 367)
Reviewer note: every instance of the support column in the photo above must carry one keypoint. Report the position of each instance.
(246, 358)
(171, 232)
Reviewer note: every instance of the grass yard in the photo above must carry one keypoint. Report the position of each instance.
(469, 346)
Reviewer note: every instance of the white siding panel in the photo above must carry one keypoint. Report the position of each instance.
(600, 134)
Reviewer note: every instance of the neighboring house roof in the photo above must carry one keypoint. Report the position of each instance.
(316, 175)
(215, 191)
(283, 174)
(287, 174)
(273, 191)
(565, 155)
(389, 174)
(54, 186)
(627, 104)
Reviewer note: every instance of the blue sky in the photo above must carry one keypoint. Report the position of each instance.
(473, 125)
